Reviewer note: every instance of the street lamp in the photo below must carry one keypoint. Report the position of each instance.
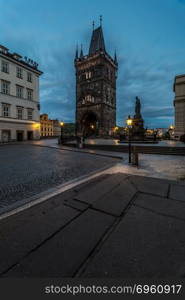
(129, 123)
(62, 125)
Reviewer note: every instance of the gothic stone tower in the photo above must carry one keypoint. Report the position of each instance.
(96, 75)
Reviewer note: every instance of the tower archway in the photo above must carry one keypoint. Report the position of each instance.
(89, 124)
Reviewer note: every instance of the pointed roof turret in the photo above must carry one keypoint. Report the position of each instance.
(97, 39)
(76, 55)
(115, 58)
(81, 52)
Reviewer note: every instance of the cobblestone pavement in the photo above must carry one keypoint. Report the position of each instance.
(26, 170)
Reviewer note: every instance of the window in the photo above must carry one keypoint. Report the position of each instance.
(88, 75)
(89, 98)
(5, 87)
(6, 110)
(29, 94)
(5, 67)
(29, 77)
(19, 112)
(19, 91)
(30, 113)
(19, 73)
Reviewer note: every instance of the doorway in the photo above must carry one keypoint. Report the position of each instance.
(89, 125)
(20, 136)
(30, 135)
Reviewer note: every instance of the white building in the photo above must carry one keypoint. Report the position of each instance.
(179, 103)
(19, 97)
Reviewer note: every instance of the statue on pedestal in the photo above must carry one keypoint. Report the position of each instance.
(138, 131)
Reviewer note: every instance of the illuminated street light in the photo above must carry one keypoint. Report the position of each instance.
(62, 126)
(129, 124)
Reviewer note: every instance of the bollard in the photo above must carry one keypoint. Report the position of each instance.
(80, 142)
(135, 157)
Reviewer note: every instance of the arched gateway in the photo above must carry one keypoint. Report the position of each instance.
(89, 124)
(96, 75)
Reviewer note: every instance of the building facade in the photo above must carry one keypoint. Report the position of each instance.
(46, 126)
(96, 75)
(49, 128)
(56, 128)
(19, 97)
(179, 104)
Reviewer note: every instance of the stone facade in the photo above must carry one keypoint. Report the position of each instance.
(19, 98)
(56, 128)
(179, 104)
(96, 75)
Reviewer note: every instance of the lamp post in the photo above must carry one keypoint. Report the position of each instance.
(61, 136)
(129, 123)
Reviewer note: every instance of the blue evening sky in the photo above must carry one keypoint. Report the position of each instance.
(148, 35)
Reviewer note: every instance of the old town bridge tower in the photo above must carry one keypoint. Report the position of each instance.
(96, 75)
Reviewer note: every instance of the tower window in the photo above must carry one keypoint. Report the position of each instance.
(89, 98)
(88, 75)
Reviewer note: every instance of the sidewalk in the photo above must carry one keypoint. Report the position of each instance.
(115, 225)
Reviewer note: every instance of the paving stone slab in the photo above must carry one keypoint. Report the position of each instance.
(117, 200)
(23, 232)
(177, 192)
(76, 204)
(101, 188)
(161, 205)
(144, 245)
(90, 183)
(150, 185)
(62, 255)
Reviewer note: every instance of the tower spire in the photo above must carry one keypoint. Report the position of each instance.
(101, 19)
(97, 40)
(76, 55)
(93, 25)
(115, 57)
(81, 52)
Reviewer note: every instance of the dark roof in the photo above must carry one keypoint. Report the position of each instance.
(97, 41)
